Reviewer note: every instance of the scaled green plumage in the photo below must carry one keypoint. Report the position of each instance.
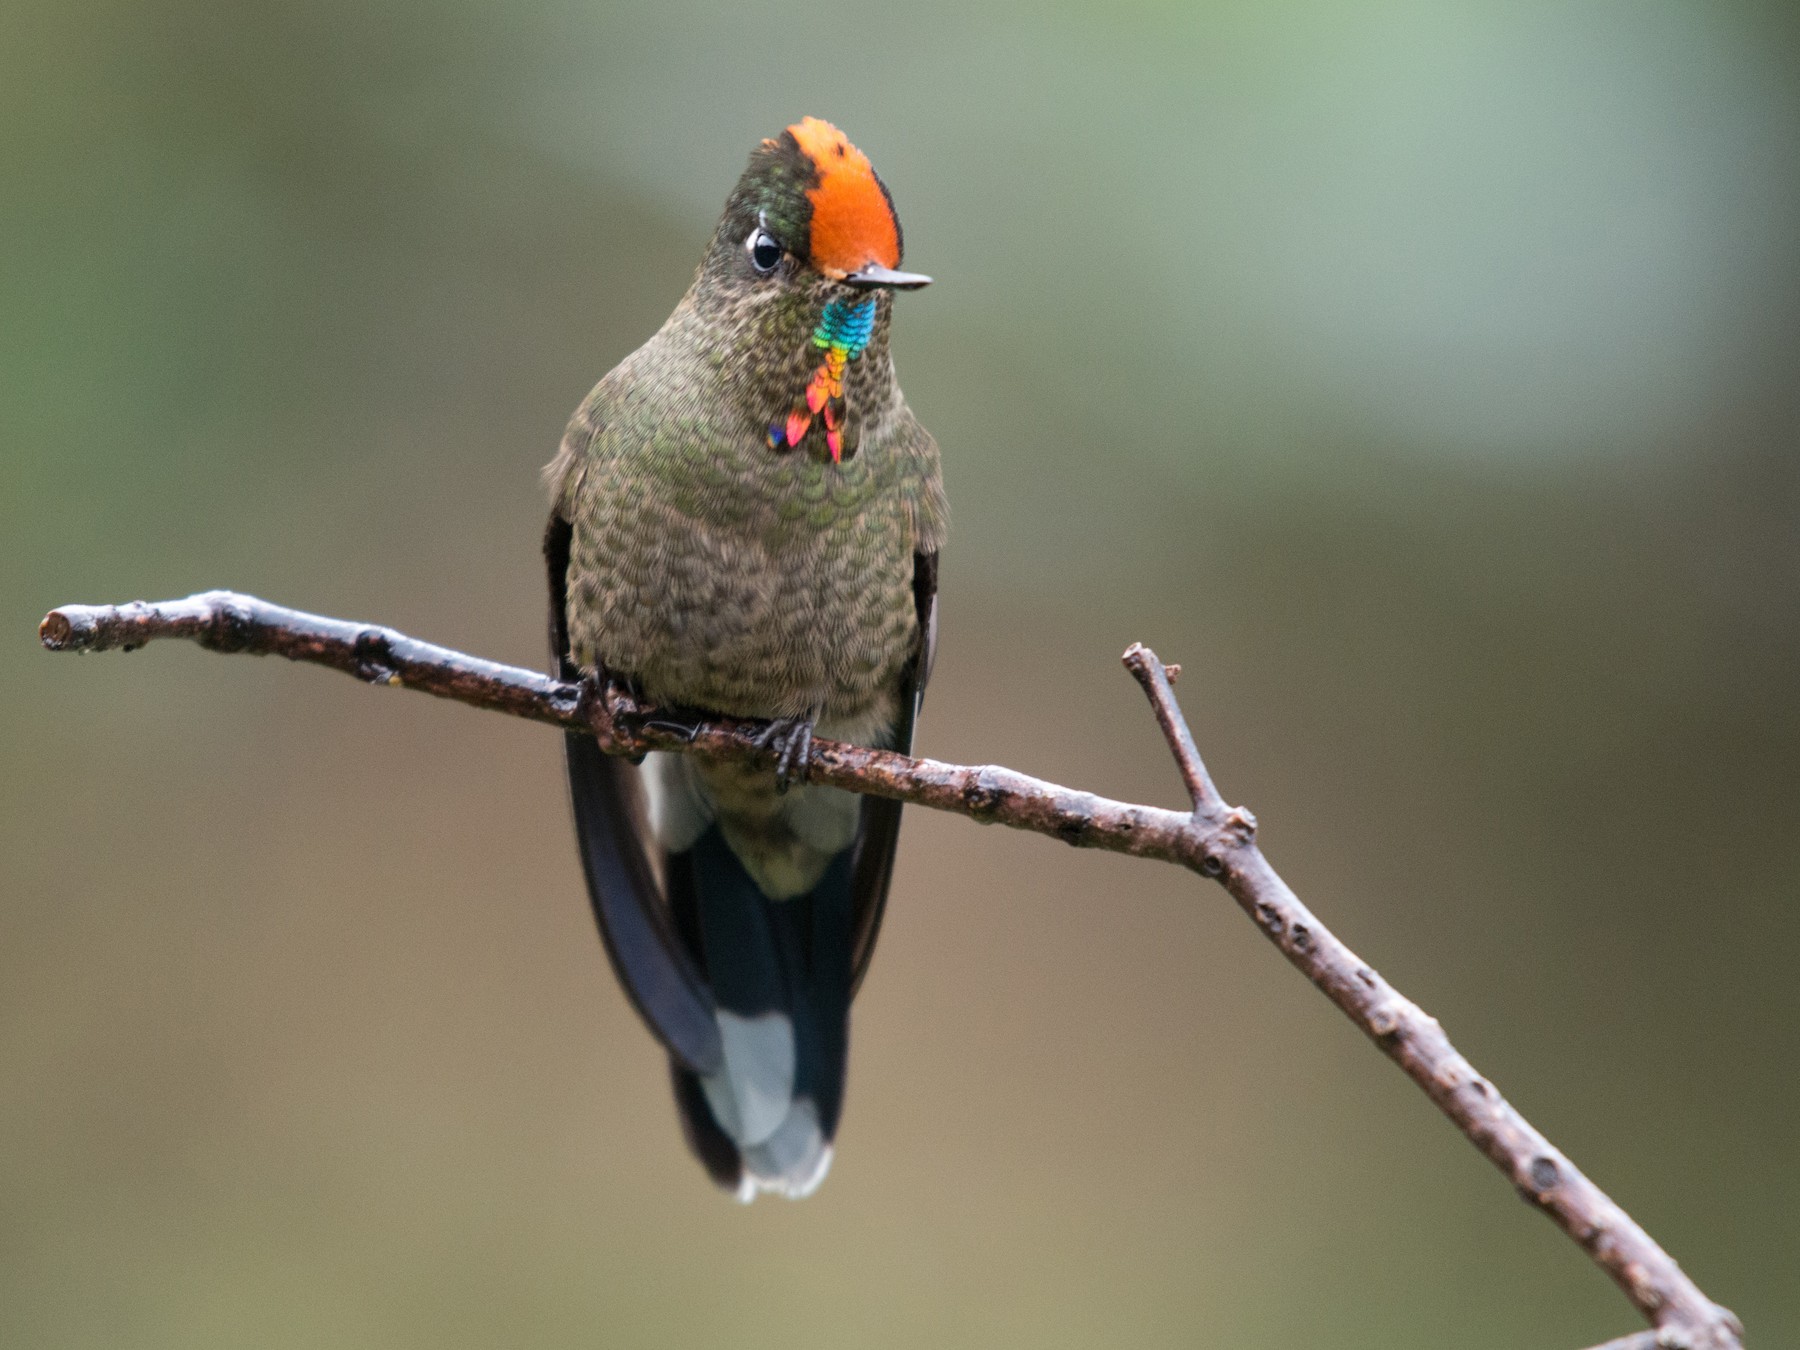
(722, 574)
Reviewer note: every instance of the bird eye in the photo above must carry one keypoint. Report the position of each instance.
(765, 253)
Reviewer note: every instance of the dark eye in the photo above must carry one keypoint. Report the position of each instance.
(765, 253)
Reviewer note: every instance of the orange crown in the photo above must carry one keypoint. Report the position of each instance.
(852, 219)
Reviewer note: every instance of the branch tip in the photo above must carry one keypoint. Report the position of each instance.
(55, 631)
(1149, 671)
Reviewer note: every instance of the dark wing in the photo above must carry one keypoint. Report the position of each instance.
(610, 829)
(879, 833)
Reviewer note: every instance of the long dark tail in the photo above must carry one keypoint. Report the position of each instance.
(780, 974)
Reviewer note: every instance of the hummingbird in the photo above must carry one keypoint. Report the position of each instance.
(746, 520)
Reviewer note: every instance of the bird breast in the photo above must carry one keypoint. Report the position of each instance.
(745, 582)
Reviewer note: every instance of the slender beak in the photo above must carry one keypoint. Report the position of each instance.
(876, 275)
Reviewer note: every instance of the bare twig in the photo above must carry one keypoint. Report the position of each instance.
(1215, 840)
(1158, 681)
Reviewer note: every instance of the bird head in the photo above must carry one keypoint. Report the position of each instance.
(800, 271)
(810, 201)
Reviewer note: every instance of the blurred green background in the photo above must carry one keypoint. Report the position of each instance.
(1425, 377)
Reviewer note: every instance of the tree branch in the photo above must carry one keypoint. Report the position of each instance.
(1216, 840)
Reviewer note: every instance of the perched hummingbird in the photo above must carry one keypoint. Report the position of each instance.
(746, 520)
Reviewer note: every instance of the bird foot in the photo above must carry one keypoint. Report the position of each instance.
(595, 705)
(791, 739)
(605, 689)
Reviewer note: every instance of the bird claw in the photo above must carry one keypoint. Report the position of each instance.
(607, 687)
(791, 739)
(613, 681)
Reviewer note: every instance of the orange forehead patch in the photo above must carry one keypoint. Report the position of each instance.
(852, 221)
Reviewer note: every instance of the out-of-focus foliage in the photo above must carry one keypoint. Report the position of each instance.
(1421, 376)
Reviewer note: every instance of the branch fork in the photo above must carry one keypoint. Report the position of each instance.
(1213, 838)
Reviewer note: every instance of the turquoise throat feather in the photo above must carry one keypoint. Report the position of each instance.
(844, 331)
